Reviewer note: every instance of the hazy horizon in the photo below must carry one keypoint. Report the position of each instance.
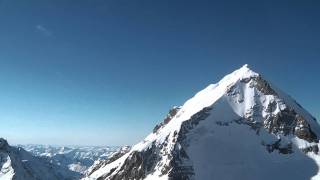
(106, 72)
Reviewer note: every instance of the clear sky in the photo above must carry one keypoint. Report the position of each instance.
(104, 72)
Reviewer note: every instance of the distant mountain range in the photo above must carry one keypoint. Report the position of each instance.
(28, 162)
(74, 158)
(18, 164)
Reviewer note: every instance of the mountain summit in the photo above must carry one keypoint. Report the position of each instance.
(239, 128)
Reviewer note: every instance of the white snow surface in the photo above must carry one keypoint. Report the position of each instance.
(232, 151)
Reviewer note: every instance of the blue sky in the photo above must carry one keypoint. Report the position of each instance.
(104, 72)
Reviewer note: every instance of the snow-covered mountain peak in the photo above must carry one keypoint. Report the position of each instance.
(201, 100)
(242, 124)
(213, 92)
(241, 73)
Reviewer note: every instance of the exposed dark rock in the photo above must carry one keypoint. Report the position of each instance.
(131, 168)
(255, 125)
(289, 122)
(105, 176)
(261, 84)
(314, 149)
(138, 164)
(286, 149)
(111, 159)
(171, 114)
(157, 127)
(3, 143)
(231, 90)
(298, 104)
(165, 169)
(282, 123)
(192, 122)
(167, 119)
(271, 107)
(220, 123)
(181, 167)
(303, 130)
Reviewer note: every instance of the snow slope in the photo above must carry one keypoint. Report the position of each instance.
(239, 128)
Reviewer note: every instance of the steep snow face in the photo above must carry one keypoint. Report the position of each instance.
(16, 163)
(241, 125)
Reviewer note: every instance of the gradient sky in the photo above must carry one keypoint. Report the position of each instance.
(104, 72)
